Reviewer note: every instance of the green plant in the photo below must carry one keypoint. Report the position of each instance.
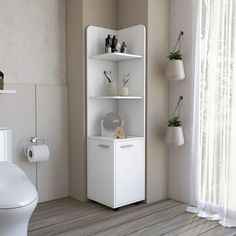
(126, 79)
(174, 122)
(108, 76)
(175, 55)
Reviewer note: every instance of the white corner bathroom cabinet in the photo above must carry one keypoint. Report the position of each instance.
(116, 167)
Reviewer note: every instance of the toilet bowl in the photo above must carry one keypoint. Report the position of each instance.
(18, 196)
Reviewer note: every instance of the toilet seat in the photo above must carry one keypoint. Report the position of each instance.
(16, 190)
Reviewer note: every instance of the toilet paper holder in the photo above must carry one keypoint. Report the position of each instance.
(33, 140)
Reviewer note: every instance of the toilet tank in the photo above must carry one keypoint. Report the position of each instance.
(5, 144)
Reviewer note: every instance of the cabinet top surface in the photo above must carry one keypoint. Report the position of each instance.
(111, 139)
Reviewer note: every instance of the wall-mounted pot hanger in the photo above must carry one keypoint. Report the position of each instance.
(175, 67)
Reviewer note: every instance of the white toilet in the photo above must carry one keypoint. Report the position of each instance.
(18, 196)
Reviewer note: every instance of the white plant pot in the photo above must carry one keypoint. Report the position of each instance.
(123, 91)
(175, 70)
(111, 89)
(175, 136)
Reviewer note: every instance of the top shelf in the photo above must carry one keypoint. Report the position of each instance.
(116, 56)
(7, 91)
(116, 97)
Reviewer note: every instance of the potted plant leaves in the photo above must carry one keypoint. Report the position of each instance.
(111, 86)
(123, 90)
(175, 67)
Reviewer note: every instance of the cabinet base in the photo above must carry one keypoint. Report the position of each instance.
(116, 209)
(137, 203)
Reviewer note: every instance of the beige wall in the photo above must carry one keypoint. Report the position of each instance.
(76, 87)
(80, 14)
(132, 12)
(101, 13)
(154, 14)
(157, 99)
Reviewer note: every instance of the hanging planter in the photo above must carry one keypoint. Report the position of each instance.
(175, 67)
(174, 133)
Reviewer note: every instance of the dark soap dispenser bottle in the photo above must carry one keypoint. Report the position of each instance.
(108, 43)
(1, 80)
(114, 43)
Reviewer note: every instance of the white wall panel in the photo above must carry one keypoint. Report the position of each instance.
(180, 175)
(33, 51)
(52, 124)
(17, 111)
(33, 41)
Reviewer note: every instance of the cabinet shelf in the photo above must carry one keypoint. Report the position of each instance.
(116, 97)
(116, 57)
(7, 91)
(111, 139)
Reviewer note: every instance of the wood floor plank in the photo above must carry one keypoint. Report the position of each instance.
(79, 213)
(69, 217)
(97, 219)
(127, 227)
(56, 210)
(193, 229)
(219, 230)
(166, 226)
(126, 223)
(54, 203)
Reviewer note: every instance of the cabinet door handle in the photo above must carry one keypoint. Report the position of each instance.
(103, 146)
(127, 146)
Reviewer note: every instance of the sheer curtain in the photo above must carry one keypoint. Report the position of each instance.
(216, 113)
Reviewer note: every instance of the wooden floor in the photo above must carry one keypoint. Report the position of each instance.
(69, 217)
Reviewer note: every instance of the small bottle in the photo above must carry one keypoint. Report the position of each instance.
(123, 48)
(114, 43)
(108, 49)
(108, 43)
(1, 81)
(118, 46)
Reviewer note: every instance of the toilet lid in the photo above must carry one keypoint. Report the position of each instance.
(16, 190)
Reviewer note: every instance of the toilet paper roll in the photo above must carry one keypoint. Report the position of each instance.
(38, 153)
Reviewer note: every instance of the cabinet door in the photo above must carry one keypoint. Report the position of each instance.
(100, 171)
(129, 172)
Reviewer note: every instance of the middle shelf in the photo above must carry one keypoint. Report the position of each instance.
(116, 97)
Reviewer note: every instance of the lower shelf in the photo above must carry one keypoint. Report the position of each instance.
(111, 139)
